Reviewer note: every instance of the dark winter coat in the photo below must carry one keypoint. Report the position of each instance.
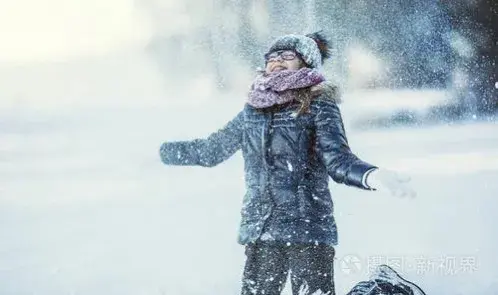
(288, 160)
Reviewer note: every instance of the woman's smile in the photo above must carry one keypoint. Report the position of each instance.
(278, 67)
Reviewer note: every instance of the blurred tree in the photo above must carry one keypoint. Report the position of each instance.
(416, 41)
(476, 40)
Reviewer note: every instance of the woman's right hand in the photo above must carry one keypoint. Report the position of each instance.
(395, 182)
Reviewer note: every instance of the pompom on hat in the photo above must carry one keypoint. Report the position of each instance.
(313, 48)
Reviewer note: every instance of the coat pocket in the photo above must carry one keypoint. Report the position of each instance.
(314, 205)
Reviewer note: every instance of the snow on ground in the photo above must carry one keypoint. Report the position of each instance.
(86, 207)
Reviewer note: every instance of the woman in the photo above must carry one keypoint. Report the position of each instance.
(292, 139)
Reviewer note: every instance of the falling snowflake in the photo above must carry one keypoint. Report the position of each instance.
(289, 166)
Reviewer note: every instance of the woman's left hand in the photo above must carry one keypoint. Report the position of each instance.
(395, 182)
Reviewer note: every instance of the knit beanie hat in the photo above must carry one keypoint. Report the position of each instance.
(313, 48)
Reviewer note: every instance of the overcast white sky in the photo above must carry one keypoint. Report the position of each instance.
(33, 30)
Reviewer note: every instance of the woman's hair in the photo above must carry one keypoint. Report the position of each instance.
(304, 97)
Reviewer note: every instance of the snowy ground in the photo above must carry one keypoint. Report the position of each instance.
(86, 207)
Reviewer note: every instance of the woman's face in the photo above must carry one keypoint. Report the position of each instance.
(283, 60)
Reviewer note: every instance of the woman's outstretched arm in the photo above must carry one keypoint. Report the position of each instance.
(342, 165)
(207, 152)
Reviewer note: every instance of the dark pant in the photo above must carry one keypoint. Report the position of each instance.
(268, 264)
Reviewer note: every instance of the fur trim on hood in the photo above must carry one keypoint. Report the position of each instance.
(326, 90)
